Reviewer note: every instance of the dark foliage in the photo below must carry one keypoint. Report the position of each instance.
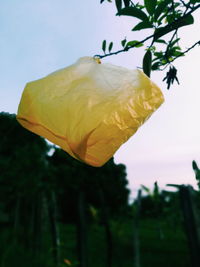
(72, 176)
(27, 172)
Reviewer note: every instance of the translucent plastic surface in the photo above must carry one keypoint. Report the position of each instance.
(89, 109)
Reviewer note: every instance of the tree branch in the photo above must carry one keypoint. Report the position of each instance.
(125, 49)
(184, 4)
(171, 25)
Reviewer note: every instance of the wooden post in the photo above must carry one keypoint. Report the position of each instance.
(82, 231)
(108, 233)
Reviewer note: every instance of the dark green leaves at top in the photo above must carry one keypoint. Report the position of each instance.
(160, 8)
(110, 47)
(118, 4)
(134, 43)
(126, 3)
(184, 21)
(104, 46)
(150, 6)
(187, 20)
(171, 44)
(194, 1)
(142, 25)
(123, 42)
(133, 12)
(161, 41)
(147, 63)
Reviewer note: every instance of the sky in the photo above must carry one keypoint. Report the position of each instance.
(41, 36)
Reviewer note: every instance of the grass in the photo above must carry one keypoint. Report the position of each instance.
(170, 250)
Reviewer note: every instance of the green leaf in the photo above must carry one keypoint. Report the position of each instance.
(184, 21)
(156, 66)
(118, 4)
(134, 43)
(123, 42)
(173, 43)
(161, 41)
(133, 12)
(104, 46)
(194, 1)
(176, 48)
(126, 3)
(172, 17)
(187, 20)
(110, 47)
(147, 63)
(158, 54)
(160, 19)
(178, 54)
(150, 6)
(160, 8)
(142, 25)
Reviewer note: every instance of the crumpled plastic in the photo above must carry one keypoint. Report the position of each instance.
(89, 109)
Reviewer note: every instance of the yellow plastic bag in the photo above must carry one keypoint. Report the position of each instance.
(89, 109)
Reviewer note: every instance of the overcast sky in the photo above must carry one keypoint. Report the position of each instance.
(41, 36)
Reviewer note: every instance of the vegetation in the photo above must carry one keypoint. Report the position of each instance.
(56, 211)
(38, 190)
(163, 19)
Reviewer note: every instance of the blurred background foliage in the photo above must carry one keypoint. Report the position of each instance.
(57, 211)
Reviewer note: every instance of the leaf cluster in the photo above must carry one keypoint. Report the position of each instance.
(163, 18)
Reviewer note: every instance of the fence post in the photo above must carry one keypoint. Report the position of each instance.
(106, 224)
(192, 223)
(136, 238)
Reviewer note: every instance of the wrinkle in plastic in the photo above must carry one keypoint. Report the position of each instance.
(89, 109)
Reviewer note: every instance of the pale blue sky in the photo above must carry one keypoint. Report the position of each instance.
(41, 36)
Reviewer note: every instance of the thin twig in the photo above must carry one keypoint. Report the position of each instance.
(168, 46)
(186, 51)
(183, 53)
(184, 4)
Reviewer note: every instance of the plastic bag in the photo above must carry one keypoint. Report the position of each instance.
(89, 109)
